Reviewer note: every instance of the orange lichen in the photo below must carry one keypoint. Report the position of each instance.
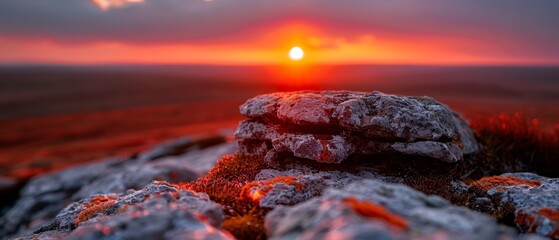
(98, 200)
(324, 154)
(371, 210)
(529, 224)
(498, 182)
(265, 187)
(95, 206)
(551, 214)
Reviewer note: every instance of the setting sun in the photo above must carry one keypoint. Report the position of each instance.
(296, 53)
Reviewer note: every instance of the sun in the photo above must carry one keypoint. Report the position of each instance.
(296, 53)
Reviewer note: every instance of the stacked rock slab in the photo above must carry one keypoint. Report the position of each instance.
(331, 126)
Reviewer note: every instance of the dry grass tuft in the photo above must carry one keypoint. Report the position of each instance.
(517, 143)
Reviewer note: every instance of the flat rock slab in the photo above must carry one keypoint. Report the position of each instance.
(372, 209)
(180, 160)
(330, 126)
(160, 210)
(532, 200)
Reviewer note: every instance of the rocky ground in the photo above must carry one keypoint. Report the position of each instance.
(311, 165)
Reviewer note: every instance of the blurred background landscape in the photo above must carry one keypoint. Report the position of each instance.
(95, 79)
(56, 116)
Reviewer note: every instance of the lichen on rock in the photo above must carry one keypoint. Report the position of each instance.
(332, 125)
(532, 201)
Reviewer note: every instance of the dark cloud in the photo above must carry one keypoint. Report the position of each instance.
(528, 27)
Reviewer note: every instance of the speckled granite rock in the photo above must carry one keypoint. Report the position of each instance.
(330, 126)
(531, 200)
(159, 210)
(184, 159)
(372, 209)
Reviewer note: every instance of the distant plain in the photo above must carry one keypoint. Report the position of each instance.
(55, 116)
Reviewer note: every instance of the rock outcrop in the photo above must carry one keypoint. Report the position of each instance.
(181, 160)
(333, 125)
(159, 210)
(372, 209)
(532, 201)
(308, 165)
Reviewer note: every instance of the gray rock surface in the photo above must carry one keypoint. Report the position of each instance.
(532, 200)
(175, 161)
(159, 210)
(372, 209)
(330, 126)
(272, 188)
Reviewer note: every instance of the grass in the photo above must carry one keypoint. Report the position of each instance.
(517, 143)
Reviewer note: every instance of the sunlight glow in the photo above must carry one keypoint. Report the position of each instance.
(107, 4)
(296, 53)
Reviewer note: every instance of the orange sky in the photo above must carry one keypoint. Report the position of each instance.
(267, 49)
(267, 42)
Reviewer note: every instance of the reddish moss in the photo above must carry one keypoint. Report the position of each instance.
(95, 206)
(371, 210)
(498, 182)
(250, 226)
(224, 182)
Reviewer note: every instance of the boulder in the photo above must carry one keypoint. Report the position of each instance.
(372, 209)
(532, 201)
(331, 126)
(182, 160)
(160, 210)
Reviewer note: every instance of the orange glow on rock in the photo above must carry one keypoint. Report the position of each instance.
(371, 210)
(498, 182)
(254, 191)
(257, 195)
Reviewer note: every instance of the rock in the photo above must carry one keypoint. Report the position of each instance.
(272, 188)
(333, 125)
(159, 210)
(282, 190)
(136, 177)
(44, 196)
(531, 200)
(372, 209)
(180, 146)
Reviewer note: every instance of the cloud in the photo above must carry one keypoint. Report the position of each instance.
(107, 4)
(513, 27)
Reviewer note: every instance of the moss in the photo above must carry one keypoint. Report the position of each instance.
(250, 226)
(224, 183)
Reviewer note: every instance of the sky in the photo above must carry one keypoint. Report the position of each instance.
(252, 32)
